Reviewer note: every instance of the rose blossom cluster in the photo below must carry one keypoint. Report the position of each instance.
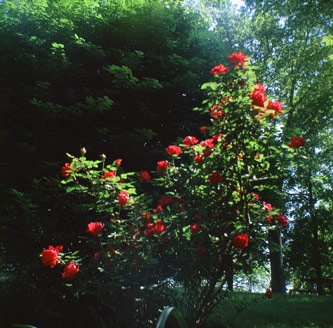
(273, 219)
(51, 257)
(261, 104)
(108, 178)
(152, 223)
(259, 99)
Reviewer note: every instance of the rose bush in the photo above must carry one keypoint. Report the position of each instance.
(224, 178)
(207, 210)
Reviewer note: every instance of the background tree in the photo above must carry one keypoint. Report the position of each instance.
(117, 78)
(287, 39)
(69, 66)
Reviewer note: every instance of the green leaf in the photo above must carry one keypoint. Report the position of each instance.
(187, 232)
(209, 85)
(69, 155)
(57, 45)
(328, 40)
(70, 189)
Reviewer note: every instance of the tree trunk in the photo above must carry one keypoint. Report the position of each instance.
(316, 254)
(229, 272)
(317, 257)
(276, 259)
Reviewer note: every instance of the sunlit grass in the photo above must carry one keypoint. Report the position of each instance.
(242, 310)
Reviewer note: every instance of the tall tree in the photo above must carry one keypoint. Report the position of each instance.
(287, 38)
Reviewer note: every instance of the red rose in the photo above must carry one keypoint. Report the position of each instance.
(146, 218)
(95, 228)
(195, 227)
(50, 256)
(158, 209)
(173, 150)
(64, 172)
(238, 59)
(208, 142)
(198, 159)
(219, 69)
(258, 96)
(70, 271)
(215, 178)
(145, 176)
(267, 207)
(282, 220)
(241, 240)
(190, 141)
(166, 201)
(207, 151)
(214, 108)
(296, 142)
(123, 198)
(225, 100)
(270, 219)
(276, 106)
(203, 129)
(118, 161)
(216, 112)
(162, 166)
(149, 232)
(109, 174)
(158, 227)
(256, 196)
(216, 138)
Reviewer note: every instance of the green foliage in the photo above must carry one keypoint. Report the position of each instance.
(328, 40)
(121, 78)
(103, 75)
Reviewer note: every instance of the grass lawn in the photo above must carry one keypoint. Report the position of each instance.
(250, 310)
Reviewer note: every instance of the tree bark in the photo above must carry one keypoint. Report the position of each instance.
(317, 257)
(229, 272)
(276, 260)
(316, 254)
